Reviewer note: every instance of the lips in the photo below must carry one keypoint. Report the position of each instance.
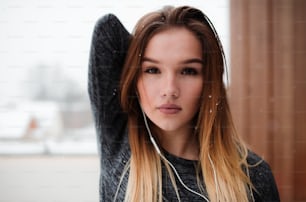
(169, 109)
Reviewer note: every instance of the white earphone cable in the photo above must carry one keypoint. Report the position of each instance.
(171, 165)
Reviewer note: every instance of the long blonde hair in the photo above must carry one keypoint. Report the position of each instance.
(222, 156)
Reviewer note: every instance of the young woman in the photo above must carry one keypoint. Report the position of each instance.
(162, 117)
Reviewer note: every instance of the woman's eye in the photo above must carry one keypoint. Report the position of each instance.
(189, 71)
(152, 70)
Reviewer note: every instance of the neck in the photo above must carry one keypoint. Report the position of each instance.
(183, 143)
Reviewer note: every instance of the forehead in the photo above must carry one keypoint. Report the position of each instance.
(174, 43)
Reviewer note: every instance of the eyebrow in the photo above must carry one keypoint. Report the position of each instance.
(187, 61)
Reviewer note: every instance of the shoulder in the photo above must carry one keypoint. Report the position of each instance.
(258, 166)
(262, 178)
(255, 159)
(259, 170)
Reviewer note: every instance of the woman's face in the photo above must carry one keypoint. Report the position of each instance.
(171, 81)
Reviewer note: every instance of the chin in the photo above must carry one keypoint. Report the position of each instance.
(167, 128)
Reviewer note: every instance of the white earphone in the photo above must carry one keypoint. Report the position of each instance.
(164, 158)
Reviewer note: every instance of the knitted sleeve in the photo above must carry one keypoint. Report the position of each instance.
(110, 41)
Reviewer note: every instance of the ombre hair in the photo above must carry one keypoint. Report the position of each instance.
(222, 156)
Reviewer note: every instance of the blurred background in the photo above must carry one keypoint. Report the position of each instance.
(48, 149)
(268, 86)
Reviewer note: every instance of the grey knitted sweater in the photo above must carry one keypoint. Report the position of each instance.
(109, 45)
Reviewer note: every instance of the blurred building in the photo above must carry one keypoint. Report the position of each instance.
(44, 127)
(30, 121)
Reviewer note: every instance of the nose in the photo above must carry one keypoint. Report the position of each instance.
(170, 86)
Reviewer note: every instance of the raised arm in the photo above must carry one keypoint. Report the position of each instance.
(109, 45)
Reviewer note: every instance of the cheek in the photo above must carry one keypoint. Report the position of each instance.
(145, 92)
(195, 96)
(194, 90)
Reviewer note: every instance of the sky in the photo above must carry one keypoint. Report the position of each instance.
(57, 33)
